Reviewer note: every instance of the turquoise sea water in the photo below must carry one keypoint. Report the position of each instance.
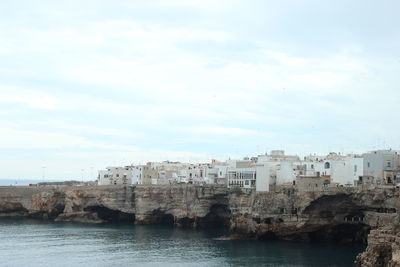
(38, 243)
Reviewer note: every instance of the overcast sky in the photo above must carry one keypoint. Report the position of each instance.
(96, 83)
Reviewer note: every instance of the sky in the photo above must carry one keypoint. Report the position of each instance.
(90, 84)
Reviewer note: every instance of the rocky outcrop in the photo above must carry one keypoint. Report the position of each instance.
(342, 215)
(383, 249)
(47, 205)
(17, 201)
(181, 205)
(98, 204)
(383, 246)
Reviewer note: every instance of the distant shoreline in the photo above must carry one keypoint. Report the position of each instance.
(25, 182)
(18, 182)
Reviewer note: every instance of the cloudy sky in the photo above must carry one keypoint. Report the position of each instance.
(96, 83)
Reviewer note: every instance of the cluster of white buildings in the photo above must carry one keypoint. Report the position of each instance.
(264, 172)
(165, 172)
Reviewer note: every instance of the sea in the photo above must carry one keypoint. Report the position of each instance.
(26, 242)
(19, 182)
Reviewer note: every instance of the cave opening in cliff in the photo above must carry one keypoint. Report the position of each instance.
(218, 217)
(186, 222)
(268, 236)
(11, 207)
(345, 233)
(110, 215)
(160, 217)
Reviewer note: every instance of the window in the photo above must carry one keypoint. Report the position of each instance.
(355, 168)
(388, 164)
(368, 164)
(312, 166)
(246, 182)
(327, 165)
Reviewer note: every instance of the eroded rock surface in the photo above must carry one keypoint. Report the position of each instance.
(182, 205)
(383, 246)
(341, 216)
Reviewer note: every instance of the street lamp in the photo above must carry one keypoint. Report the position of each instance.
(43, 173)
(82, 174)
(91, 173)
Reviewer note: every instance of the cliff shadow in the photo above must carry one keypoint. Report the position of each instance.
(160, 217)
(337, 219)
(110, 215)
(218, 217)
(345, 233)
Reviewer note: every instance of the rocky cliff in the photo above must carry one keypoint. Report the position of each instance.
(383, 246)
(341, 216)
(182, 205)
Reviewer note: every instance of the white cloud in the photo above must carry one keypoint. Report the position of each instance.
(129, 157)
(21, 139)
(37, 102)
(223, 131)
(202, 84)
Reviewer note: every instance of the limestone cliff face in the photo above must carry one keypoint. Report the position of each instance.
(383, 249)
(19, 201)
(342, 216)
(98, 204)
(182, 205)
(287, 214)
(383, 246)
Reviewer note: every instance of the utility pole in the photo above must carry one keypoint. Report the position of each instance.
(82, 174)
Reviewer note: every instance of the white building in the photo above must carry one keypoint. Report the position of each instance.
(259, 173)
(285, 172)
(383, 166)
(217, 174)
(115, 176)
(347, 171)
(263, 175)
(249, 175)
(137, 174)
(242, 177)
(342, 170)
(282, 169)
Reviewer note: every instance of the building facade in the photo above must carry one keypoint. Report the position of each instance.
(383, 166)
